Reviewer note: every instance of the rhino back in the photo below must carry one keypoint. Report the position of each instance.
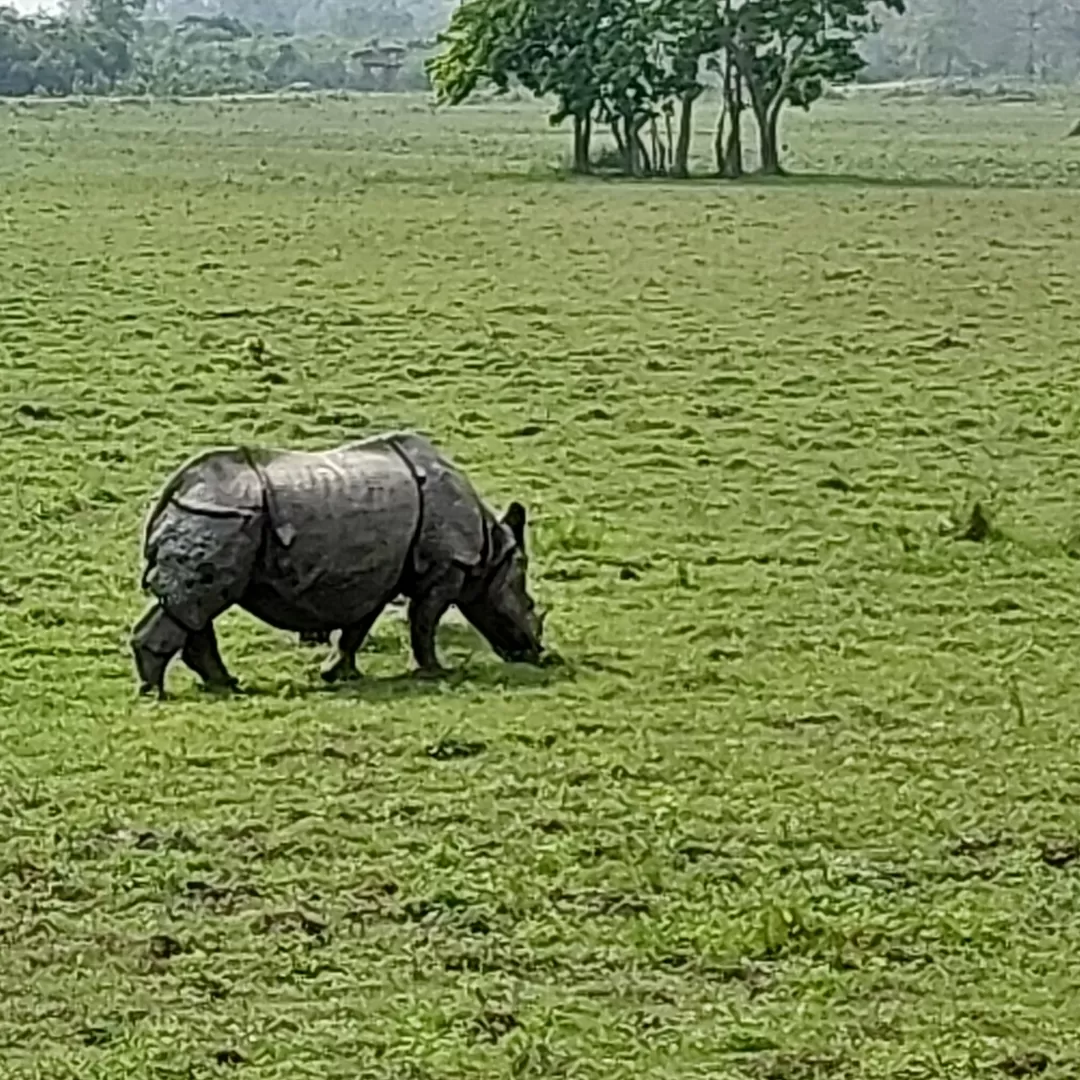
(342, 524)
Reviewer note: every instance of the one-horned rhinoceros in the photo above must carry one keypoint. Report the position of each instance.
(314, 542)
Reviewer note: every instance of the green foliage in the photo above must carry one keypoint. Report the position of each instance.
(795, 48)
(481, 43)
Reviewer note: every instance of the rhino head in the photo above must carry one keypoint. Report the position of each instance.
(499, 604)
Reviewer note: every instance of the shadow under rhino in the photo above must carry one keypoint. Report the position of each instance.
(317, 542)
(512, 677)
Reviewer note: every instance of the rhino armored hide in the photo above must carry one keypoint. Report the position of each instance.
(315, 542)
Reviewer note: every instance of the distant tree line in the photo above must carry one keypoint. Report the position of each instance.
(124, 47)
(634, 67)
(50, 55)
(350, 20)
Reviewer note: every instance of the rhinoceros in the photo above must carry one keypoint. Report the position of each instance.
(312, 542)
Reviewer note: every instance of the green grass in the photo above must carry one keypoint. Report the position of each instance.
(798, 803)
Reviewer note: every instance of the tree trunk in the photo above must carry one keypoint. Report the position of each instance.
(769, 139)
(1033, 29)
(729, 157)
(681, 162)
(729, 154)
(718, 139)
(733, 154)
(632, 149)
(721, 126)
(620, 144)
(766, 109)
(659, 154)
(582, 142)
(645, 167)
(768, 151)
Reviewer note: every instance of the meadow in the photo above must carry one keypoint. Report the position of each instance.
(802, 800)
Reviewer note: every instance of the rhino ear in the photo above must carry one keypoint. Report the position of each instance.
(514, 520)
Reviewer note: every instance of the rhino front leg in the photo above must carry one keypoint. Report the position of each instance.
(343, 669)
(425, 611)
(155, 639)
(201, 655)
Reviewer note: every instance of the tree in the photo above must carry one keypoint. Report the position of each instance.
(630, 76)
(618, 62)
(727, 144)
(691, 32)
(19, 50)
(114, 25)
(788, 51)
(546, 46)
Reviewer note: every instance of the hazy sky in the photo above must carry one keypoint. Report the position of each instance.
(25, 7)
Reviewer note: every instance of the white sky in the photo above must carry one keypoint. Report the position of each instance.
(28, 7)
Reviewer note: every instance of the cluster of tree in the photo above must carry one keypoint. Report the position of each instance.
(1037, 39)
(638, 67)
(124, 46)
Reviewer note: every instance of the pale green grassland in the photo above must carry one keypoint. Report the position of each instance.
(801, 801)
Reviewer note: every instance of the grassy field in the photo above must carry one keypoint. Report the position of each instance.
(802, 802)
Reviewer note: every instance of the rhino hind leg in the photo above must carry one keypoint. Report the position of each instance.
(198, 566)
(155, 639)
(427, 607)
(200, 653)
(343, 668)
